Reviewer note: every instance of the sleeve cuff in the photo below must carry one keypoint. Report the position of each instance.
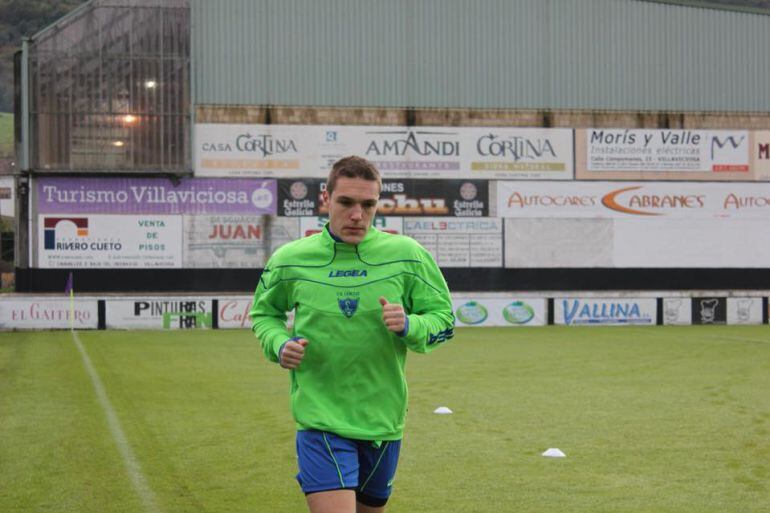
(280, 349)
(406, 327)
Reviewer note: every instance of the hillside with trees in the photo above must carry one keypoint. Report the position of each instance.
(20, 18)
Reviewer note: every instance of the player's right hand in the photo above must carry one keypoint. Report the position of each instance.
(292, 353)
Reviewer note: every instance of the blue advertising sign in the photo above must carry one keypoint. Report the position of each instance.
(605, 311)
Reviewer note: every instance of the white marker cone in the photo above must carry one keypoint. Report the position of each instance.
(442, 410)
(554, 453)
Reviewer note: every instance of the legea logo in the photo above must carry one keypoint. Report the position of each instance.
(471, 313)
(50, 224)
(518, 312)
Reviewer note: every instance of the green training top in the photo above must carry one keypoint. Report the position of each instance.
(351, 381)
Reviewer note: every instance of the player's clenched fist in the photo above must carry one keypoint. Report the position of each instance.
(292, 353)
(393, 316)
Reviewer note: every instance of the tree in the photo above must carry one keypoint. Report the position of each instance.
(19, 19)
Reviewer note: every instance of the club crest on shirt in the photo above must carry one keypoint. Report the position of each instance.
(348, 303)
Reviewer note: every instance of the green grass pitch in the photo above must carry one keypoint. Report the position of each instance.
(653, 419)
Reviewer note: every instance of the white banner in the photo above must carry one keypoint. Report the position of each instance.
(744, 310)
(18, 313)
(540, 243)
(760, 154)
(453, 241)
(234, 312)
(459, 242)
(605, 311)
(625, 200)
(636, 243)
(615, 149)
(159, 313)
(677, 310)
(114, 241)
(7, 196)
(397, 151)
(702, 243)
(498, 311)
(235, 241)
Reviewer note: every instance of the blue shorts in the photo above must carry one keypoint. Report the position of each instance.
(331, 462)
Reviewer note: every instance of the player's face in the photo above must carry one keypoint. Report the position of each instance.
(352, 206)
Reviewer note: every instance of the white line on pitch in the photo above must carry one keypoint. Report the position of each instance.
(738, 339)
(132, 464)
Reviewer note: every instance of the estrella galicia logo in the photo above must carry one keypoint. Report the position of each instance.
(472, 312)
(50, 224)
(348, 303)
(518, 312)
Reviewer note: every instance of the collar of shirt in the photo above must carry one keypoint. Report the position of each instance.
(331, 238)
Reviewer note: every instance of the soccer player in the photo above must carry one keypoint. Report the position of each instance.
(361, 298)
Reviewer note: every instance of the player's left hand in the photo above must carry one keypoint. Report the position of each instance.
(393, 316)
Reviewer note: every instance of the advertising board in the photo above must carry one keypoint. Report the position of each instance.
(288, 151)
(677, 311)
(744, 310)
(109, 241)
(7, 196)
(156, 312)
(300, 197)
(709, 310)
(498, 311)
(86, 195)
(235, 241)
(628, 200)
(233, 313)
(459, 242)
(760, 154)
(575, 311)
(662, 154)
(19, 313)
(399, 197)
(458, 198)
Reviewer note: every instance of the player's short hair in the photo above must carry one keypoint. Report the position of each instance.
(353, 167)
